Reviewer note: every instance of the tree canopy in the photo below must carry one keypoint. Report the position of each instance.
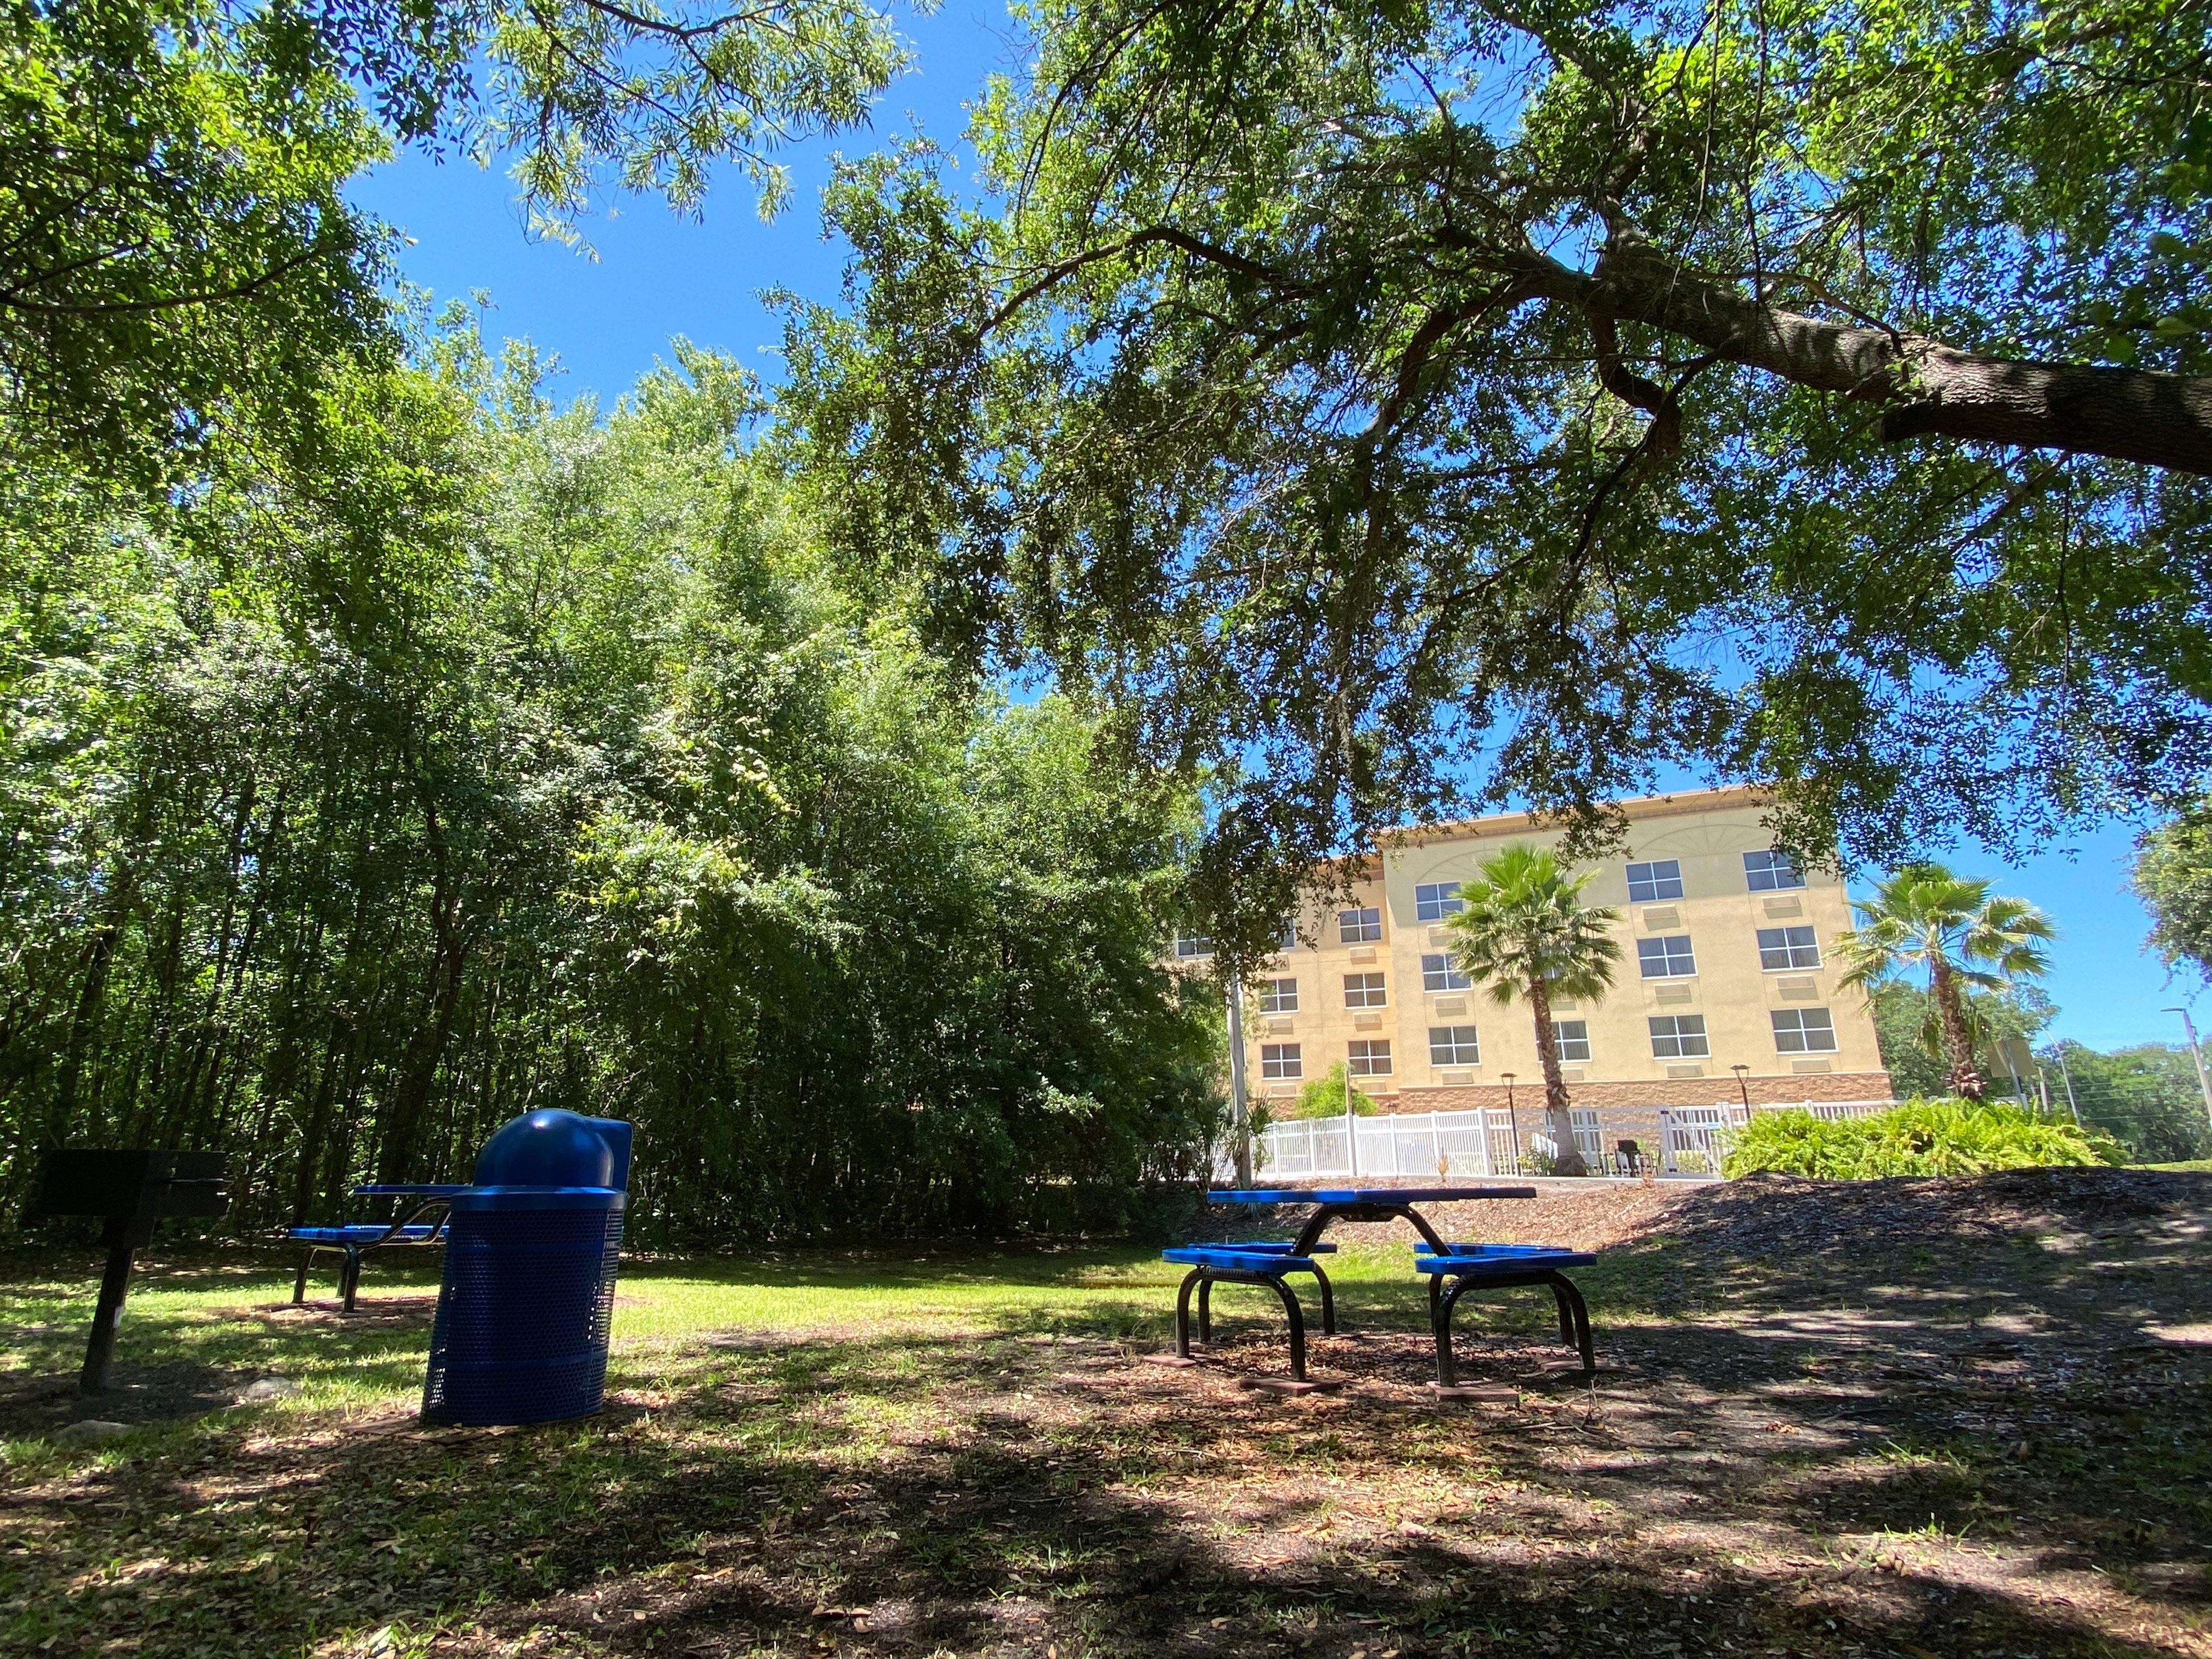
(2173, 878)
(177, 264)
(1405, 409)
(520, 755)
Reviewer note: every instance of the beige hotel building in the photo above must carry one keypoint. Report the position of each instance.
(1726, 989)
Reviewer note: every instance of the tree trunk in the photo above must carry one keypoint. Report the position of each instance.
(1556, 1103)
(1932, 387)
(1958, 1045)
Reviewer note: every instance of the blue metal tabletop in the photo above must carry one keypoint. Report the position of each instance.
(1361, 1194)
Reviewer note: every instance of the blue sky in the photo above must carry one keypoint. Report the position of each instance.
(655, 276)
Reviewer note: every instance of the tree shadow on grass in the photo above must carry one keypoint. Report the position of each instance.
(1005, 1493)
(1831, 1459)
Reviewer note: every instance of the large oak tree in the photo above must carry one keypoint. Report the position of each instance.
(1397, 407)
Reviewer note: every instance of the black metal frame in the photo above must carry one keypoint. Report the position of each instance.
(349, 1269)
(1204, 1279)
(1317, 1223)
(130, 1190)
(1574, 1313)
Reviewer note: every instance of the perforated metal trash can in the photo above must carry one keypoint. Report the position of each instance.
(527, 1304)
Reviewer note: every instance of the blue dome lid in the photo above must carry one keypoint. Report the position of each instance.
(554, 1148)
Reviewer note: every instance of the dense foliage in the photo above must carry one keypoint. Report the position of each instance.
(535, 758)
(2147, 1099)
(1324, 1097)
(178, 261)
(2173, 878)
(1909, 1032)
(1919, 1138)
(1415, 407)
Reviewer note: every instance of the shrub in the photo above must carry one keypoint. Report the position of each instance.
(1324, 1097)
(1919, 1138)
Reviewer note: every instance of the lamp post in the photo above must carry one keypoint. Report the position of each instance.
(1351, 1121)
(1741, 1088)
(1512, 1123)
(1240, 1111)
(2059, 1050)
(2204, 1083)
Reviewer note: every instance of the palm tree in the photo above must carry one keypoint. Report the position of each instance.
(1524, 930)
(1924, 916)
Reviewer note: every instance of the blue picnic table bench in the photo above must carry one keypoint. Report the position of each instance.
(1452, 1269)
(419, 1228)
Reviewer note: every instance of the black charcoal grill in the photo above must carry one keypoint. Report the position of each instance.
(131, 1192)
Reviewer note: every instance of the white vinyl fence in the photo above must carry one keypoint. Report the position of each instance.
(1670, 1141)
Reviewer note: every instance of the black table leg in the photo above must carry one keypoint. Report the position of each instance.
(108, 1314)
(1441, 1317)
(1566, 1313)
(1297, 1328)
(1205, 1311)
(1196, 1276)
(1578, 1311)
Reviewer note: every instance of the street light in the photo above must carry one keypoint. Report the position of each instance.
(1512, 1123)
(1741, 1088)
(2204, 1083)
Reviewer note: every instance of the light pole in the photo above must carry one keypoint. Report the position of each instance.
(1512, 1123)
(1741, 1088)
(2058, 1049)
(2204, 1083)
(1351, 1121)
(1240, 1115)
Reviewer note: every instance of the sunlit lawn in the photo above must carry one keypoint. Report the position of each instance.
(235, 1317)
(1823, 1430)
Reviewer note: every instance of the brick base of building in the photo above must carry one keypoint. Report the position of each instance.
(1787, 1090)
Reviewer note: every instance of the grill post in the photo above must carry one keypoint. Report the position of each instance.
(100, 1347)
(130, 1191)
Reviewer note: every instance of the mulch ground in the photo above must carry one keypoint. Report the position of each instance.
(1912, 1417)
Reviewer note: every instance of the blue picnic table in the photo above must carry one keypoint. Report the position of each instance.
(422, 1227)
(1466, 1266)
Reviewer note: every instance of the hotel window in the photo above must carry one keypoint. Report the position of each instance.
(1788, 947)
(1279, 996)
(1194, 944)
(1360, 926)
(1368, 1059)
(1453, 1045)
(1803, 1031)
(1765, 871)
(1364, 991)
(1435, 900)
(1571, 1038)
(1438, 973)
(1281, 1060)
(1288, 940)
(1678, 1036)
(1651, 882)
(1666, 959)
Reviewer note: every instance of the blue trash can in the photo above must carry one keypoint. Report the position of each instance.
(527, 1302)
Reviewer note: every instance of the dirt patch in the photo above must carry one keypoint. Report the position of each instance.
(370, 1313)
(158, 1394)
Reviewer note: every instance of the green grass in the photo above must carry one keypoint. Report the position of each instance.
(2189, 1166)
(236, 1319)
(802, 1447)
